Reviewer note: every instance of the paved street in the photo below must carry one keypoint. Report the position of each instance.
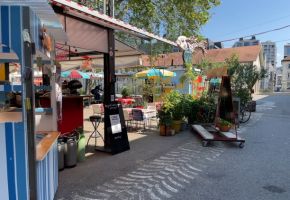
(180, 168)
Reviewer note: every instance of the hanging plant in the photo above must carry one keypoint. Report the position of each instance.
(189, 74)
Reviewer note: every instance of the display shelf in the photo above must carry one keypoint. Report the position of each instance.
(10, 88)
(18, 88)
(43, 87)
(10, 117)
(45, 143)
(43, 110)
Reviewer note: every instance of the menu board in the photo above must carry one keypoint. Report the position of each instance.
(116, 138)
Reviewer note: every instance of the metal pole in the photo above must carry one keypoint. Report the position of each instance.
(28, 106)
(109, 80)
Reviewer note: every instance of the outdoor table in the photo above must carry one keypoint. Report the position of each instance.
(146, 112)
(126, 101)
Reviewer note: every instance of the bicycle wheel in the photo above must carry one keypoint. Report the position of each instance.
(245, 115)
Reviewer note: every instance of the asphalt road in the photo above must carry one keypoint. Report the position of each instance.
(261, 170)
(180, 168)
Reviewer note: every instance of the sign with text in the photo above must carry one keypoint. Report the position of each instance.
(116, 138)
(115, 124)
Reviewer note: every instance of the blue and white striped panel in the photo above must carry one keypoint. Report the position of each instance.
(3, 164)
(16, 159)
(47, 175)
(14, 156)
(11, 30)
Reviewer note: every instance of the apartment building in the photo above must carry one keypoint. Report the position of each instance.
(247, 42)
(286, 74)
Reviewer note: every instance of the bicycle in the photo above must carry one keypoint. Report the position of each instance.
(245, 113)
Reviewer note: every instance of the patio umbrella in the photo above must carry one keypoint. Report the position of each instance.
(155, 73)
(95, 75)
(74, 74)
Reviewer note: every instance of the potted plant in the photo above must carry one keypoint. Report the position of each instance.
(165, 121)
(173, 101)
(224, 125)
(125, 92)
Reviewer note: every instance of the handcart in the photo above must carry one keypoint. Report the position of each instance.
(225, 111)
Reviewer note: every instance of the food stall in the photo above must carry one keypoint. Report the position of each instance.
(28, 135)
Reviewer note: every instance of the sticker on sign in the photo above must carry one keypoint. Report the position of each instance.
(115, 124)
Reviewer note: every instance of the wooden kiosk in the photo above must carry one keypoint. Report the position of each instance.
(28, 135)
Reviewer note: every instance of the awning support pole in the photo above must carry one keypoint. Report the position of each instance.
(28, 94)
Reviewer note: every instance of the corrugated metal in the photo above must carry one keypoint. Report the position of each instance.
(46, 14)
(3, 164)
(14, 178)
(47, 175)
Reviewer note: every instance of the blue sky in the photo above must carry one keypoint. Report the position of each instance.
(236, 18)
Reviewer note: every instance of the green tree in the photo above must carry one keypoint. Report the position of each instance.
(168, 17)
(243, 77)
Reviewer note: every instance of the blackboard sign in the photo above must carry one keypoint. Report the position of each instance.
(116, 138)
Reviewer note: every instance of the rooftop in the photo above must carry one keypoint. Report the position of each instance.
(245, 54)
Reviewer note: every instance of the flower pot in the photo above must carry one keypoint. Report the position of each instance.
(176, 125)
(224, 128)
(165, 130)
(162, 129)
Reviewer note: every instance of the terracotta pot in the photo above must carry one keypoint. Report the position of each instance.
(162, 130)
(166, 130)
(224, 128)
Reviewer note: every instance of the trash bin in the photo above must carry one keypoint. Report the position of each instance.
(81, 147)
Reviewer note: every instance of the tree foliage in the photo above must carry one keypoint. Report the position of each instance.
(243, 77)
(166, 17)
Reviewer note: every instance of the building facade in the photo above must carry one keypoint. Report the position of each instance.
(270, 52)
(278, 78)
(252, 55)
(285, 74)
(286, 50)
(270, 56)
(247, 42)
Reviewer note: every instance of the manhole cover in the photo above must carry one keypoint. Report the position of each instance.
(274, 189)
